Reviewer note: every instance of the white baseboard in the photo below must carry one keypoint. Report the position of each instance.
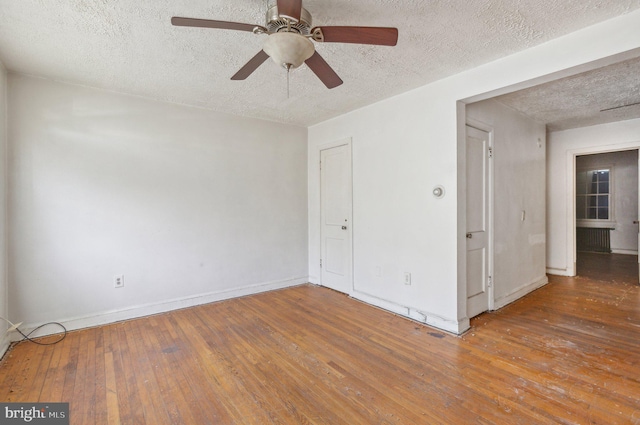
(624, 251)
(520, 292)
(133, 312)
(453, 326)
(558, 272)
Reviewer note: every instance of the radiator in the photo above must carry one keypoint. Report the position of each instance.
(593, 239)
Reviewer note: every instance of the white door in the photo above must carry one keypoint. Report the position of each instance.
(335, 216)
(478, 277)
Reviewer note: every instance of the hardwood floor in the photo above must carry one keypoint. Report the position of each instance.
(568, 353)
(607, 267)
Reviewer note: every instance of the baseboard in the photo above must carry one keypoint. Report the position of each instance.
(134, 312)
(448, 325)
(558, 272)
(519, 292)
(624, 251)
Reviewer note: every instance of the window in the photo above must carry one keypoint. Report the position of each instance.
(593, 195)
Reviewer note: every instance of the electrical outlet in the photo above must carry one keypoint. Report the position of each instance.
(407, 278)
(118, 281)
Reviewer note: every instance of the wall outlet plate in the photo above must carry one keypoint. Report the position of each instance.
(118, 281)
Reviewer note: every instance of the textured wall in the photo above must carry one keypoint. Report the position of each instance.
(182, 201)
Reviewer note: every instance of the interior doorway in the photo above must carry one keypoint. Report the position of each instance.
(606, 215)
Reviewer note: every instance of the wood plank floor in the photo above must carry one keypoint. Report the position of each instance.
(568, 353)
(608, 267)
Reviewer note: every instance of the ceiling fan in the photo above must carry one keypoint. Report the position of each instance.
(289, 31)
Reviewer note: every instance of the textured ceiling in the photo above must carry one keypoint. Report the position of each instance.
(131, 47)
(607, 94)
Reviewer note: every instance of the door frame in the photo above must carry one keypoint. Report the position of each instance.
(570, 219)
(325, 146)
(479, 125)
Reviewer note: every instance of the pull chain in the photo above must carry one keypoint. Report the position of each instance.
(288, 67)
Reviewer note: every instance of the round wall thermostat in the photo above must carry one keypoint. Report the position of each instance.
(438, 192)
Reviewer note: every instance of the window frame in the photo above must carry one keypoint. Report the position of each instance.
(595, 222)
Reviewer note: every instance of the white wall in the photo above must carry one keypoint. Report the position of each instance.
(562, 147)
(4, 295)
(398, 226)
(190, 205)
(624, 236)
(406, 145)
(519, 186)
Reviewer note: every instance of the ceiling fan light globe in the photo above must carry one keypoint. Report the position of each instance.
(287, 48)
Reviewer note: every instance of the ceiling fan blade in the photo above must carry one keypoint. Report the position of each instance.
(251, 66)
(322, 69)
(381, 36)
(290, 8)
(208, 23)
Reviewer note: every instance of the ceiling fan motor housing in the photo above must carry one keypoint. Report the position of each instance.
(277, 23)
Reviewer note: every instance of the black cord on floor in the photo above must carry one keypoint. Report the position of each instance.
(27, 337)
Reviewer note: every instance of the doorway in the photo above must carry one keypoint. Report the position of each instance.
(606, 215)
